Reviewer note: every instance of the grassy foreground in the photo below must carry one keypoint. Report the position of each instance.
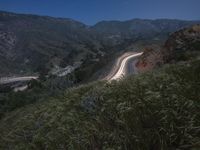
(158, 110)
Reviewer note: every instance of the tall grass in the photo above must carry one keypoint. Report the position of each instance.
(156, 111)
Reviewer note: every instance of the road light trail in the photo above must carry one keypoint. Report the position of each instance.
(7, 80)
(121, 71)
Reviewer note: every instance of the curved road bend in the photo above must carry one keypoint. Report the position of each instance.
(123, 66)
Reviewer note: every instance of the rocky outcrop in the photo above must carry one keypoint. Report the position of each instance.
(151, 58)
(182, 45)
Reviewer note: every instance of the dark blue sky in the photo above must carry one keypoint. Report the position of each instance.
(92, 11)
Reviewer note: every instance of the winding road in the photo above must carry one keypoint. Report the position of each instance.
(123, 67)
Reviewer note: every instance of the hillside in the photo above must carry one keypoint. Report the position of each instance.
(183, 45)
(37, 43)
(140, 28)
(32, 44)
(156, 110)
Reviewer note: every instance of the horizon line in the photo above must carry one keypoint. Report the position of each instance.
(103, 20)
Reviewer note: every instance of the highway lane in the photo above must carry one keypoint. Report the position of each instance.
(124, 67)
(6, 80)
(131, 68)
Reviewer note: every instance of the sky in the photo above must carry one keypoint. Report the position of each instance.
(93, 11)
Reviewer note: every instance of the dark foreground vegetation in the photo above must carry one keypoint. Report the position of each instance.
(38, 90)
(156, 110)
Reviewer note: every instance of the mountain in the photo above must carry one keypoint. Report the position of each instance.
(140, 28)
(32, 44)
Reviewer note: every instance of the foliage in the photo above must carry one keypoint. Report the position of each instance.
(37, 91)
(158, 110)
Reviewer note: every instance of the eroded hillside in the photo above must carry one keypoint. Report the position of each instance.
(183, 45)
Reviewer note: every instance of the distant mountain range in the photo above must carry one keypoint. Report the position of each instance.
(31, 43)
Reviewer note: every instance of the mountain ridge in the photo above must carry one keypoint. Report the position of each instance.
(35, 44)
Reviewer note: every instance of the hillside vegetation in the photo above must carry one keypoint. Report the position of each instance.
(155, 110)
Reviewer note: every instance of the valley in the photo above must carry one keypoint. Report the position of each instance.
(32, 44)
